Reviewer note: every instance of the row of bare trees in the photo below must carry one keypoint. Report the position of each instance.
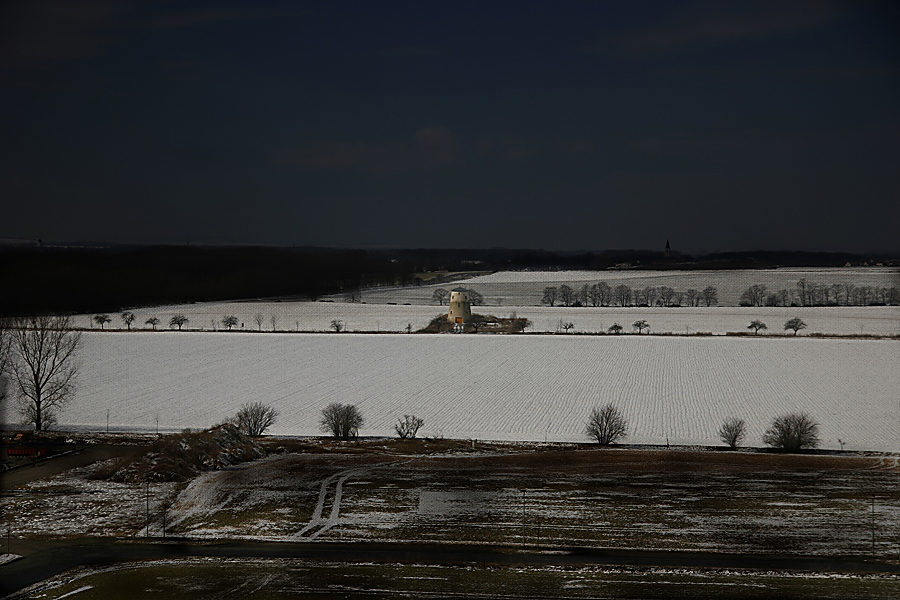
(810, 293)
(790, 432)
(341, 421)
(602, 294)
(440, 294)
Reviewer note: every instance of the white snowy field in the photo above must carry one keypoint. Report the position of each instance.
(498, 387)
(525, 288)
(317, 316)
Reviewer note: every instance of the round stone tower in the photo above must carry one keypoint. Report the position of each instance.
(460, 309)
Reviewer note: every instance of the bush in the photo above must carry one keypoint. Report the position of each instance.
(254, 418)
(341, 420)
(793, 432)
(408, 426)
(732, 431)
(606, 425)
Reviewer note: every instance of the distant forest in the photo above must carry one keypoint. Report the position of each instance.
(55, 279)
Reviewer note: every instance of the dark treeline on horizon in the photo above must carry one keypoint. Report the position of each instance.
(79, 280)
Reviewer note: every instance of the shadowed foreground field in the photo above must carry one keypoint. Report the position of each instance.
(627, 499)
(775, 525)
(255, 579)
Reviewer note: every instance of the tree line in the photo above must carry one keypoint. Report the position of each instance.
(811, 293)
(602, 294)
(607, 425)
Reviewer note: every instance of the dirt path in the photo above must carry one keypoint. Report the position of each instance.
(318, 525)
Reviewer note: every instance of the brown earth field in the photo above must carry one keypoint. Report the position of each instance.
(551, 495)
(840, 508)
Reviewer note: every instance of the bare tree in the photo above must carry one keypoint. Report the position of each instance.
(551, 293)
(521, 324)
(710, 295)
(639, 296)
(594, 295)
(796, 324)
(732, 431)
(792, 432)
(566, 295)
(802, 291)
(622, 295)
(477, 322)
(273, 319)
(337, 325)
(179, 321)
(152, 322)
(666, 294)
(692, 296)
(5, 357)
(641, 325)
(605, 293)
(229, 321)
(651, 294)
(756, 325)
(353, 295)
(754, 295)
(475, 298)
(615, 328)
(258, 317)
(43, 366)
(127, 318)
(440, 295)
(566, 326)
(101, 320)
(408, 426)
(255, 417)
(341, 420)
(606, 424)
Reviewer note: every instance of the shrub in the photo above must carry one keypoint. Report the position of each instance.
(732, 431)
(408, 426)
(341, 420)
(254, 418)
(792, 432)
(606, 424)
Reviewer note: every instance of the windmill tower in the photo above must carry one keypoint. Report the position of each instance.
(460, 309)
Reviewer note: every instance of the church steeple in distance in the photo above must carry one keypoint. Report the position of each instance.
(668, 248)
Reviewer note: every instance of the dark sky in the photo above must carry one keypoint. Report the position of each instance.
(561, 125)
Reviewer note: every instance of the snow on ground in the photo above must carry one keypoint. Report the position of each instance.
(73, 504)
(500, 387)
(317, 316)
(525, 288)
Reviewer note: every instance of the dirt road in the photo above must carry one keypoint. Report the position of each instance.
(58, 464)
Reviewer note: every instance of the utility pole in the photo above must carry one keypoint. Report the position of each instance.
(873, 525)
(523, 517)
(148, 508)
(107, 420)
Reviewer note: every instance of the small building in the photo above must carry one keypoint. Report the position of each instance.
(460, 308)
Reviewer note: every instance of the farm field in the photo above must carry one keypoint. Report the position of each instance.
(525, 288)
(540, 497)
(317, 316)
(261, 579)
(497, 387)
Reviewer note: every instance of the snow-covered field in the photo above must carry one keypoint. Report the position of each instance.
(317, 316)
(525, 288)
(501, 387)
